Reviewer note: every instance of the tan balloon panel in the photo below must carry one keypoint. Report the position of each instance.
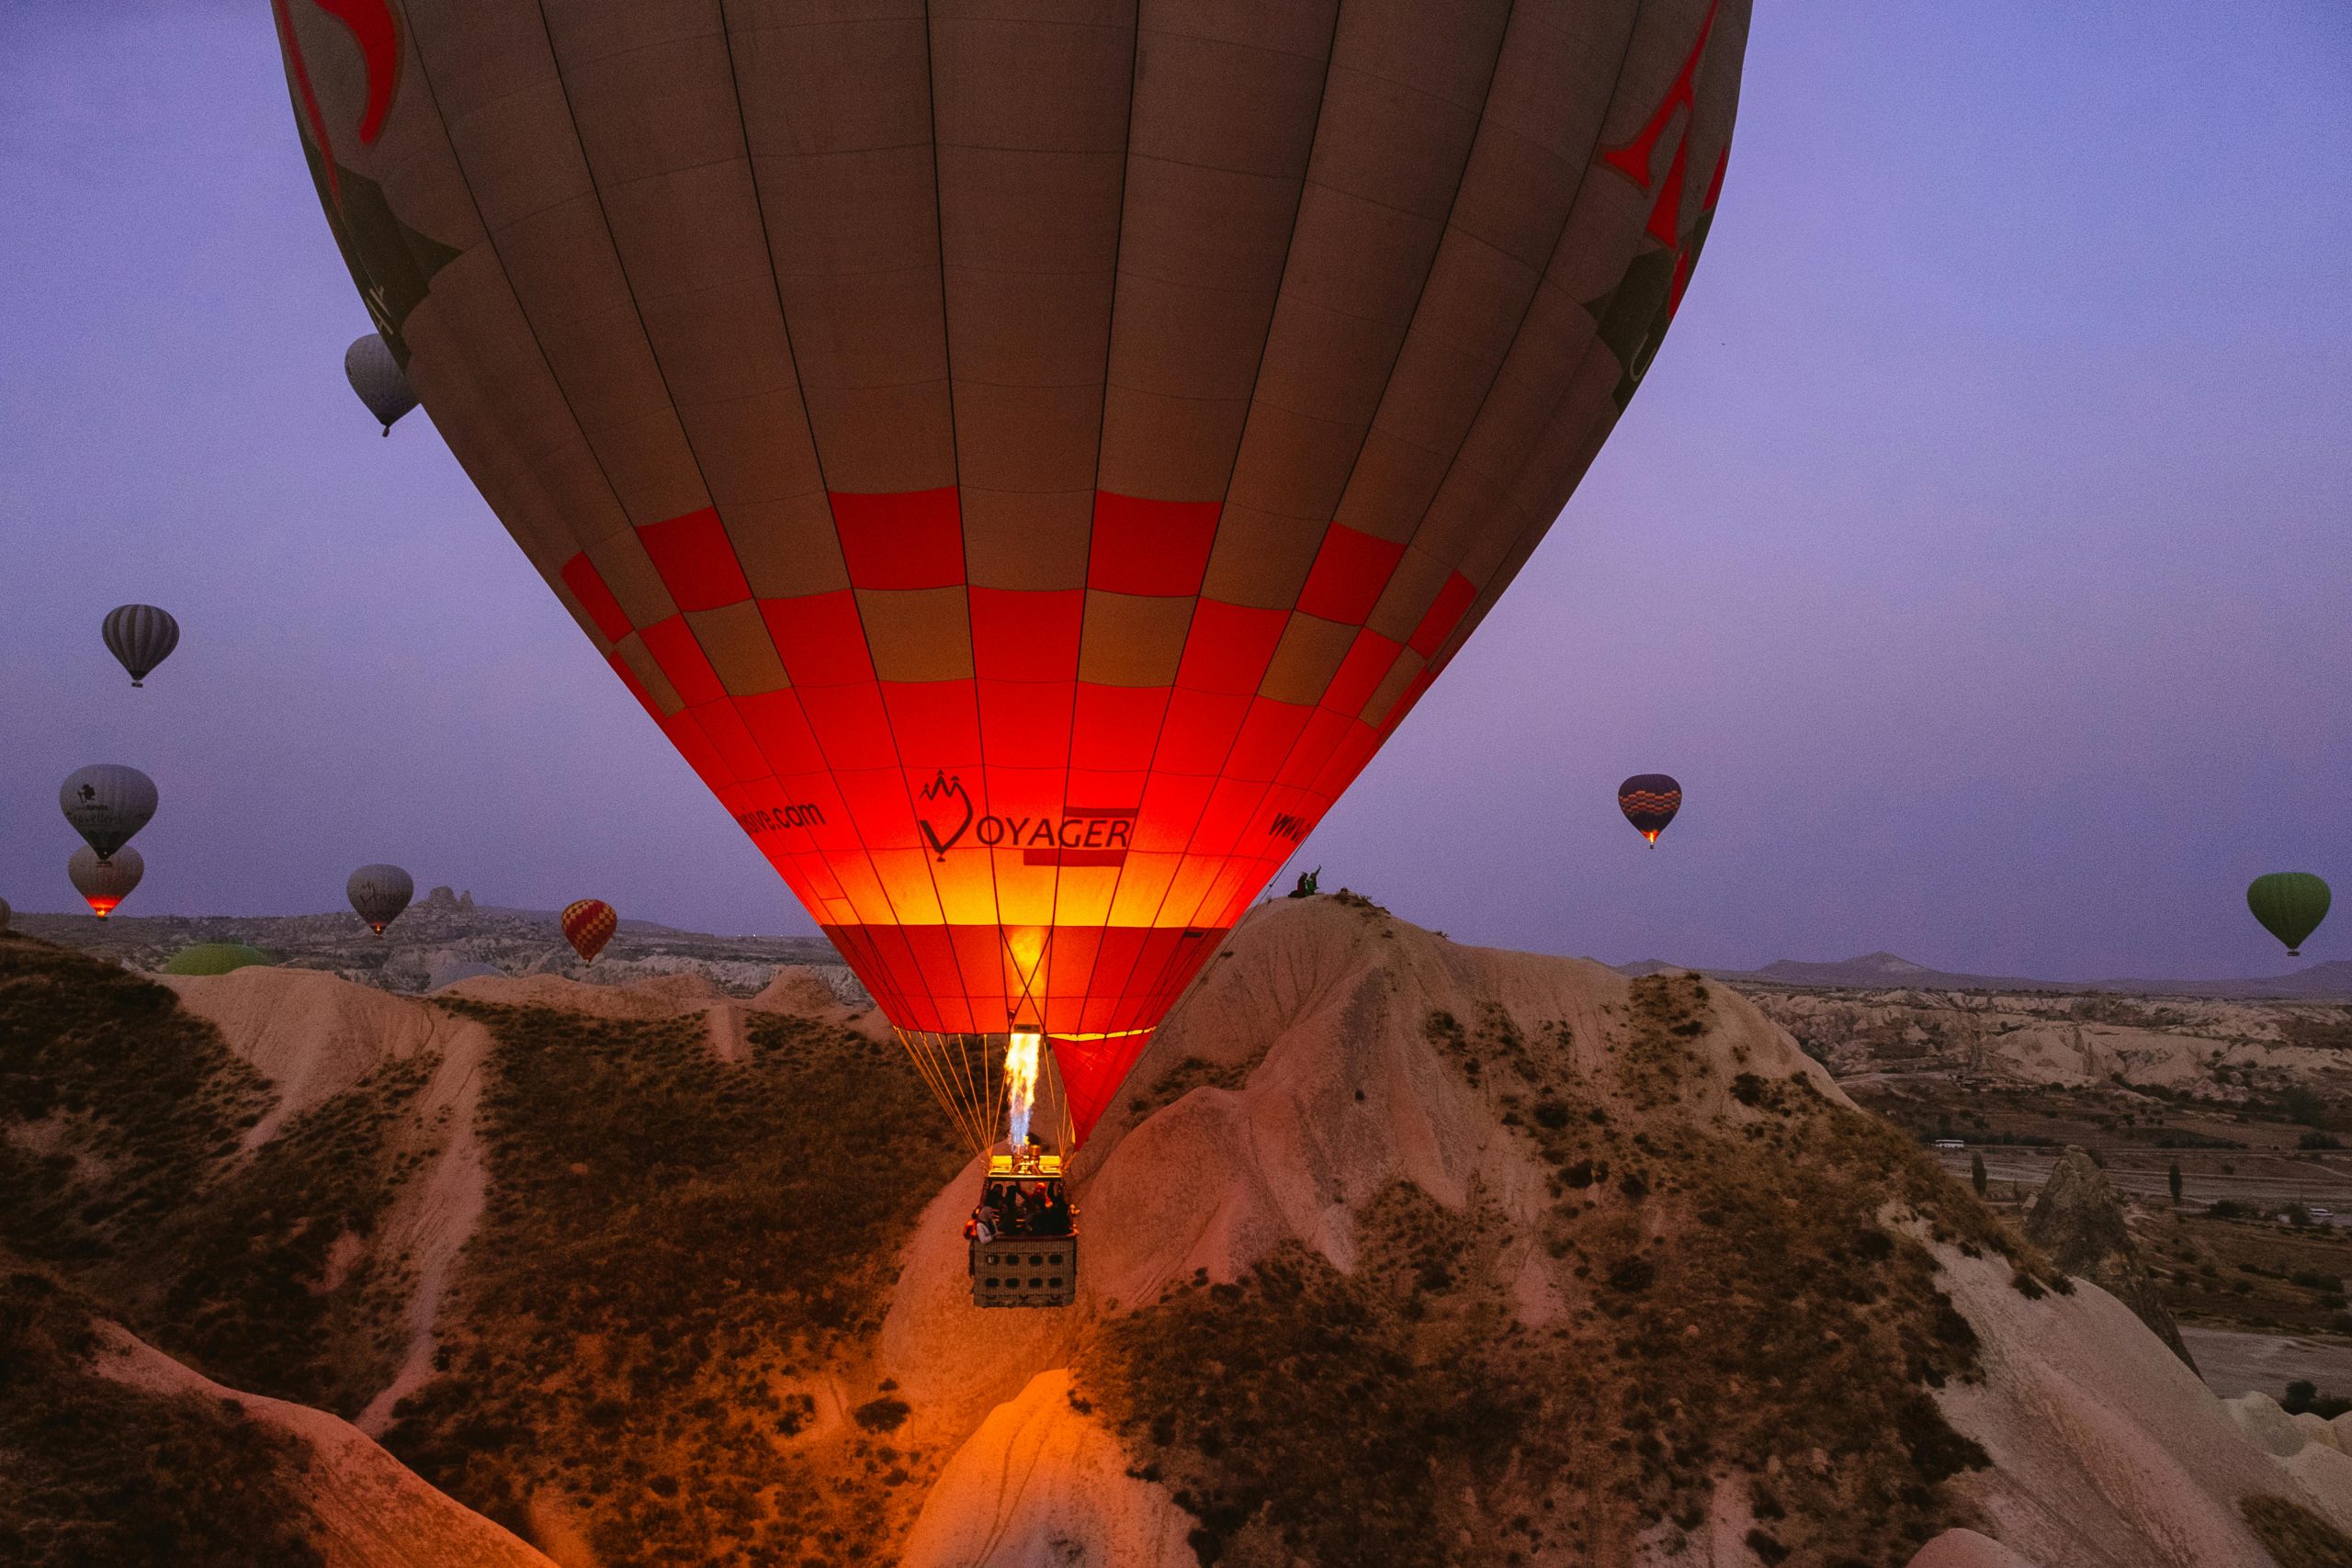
(1026, 457)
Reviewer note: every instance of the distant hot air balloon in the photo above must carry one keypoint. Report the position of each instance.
(380, 893)
(1031, 495)
(2290, 905)
(103, 884)
(377, 377)
(106, 802)
(216, 958)
(1649, 802)
(142, 636)
(588, 924)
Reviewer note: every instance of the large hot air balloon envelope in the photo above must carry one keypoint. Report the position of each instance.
(103, 884)
(140, 637)
(379, 893)
(106, 802)
(377, 377)
(2290, 905)
(588, 924)
(1027, 462)
(1649, 802)
(216, 958)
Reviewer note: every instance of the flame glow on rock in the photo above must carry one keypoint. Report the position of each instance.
(1021, 1085)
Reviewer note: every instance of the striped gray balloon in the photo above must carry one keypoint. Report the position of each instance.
(103, 884)
(379, 380)
(142, 636)
(380, 893)
(106, 802)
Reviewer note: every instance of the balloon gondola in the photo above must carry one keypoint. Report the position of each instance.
(1027, 488)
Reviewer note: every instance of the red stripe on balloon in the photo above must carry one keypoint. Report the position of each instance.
(370, 23)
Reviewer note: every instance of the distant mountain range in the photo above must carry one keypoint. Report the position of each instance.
(1892, 972)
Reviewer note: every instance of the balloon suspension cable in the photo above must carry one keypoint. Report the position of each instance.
(986, 1081)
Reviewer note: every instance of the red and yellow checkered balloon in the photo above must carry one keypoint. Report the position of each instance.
(588, 924)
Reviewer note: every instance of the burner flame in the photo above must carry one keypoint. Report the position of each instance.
(1020, 1085)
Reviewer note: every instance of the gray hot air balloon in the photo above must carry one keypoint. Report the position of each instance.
(106, 802)
(142, 636)
(379, 380)
(380, 893)
(103, 884)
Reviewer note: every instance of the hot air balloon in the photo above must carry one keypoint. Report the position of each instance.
(216, 958)
(6, 914)
(588, 924)
(142, 636)
(1649, 802)
(2289, 904)
(1027, 467)
(106, 802)
(375, 375)
(103, 884)
(380, 893)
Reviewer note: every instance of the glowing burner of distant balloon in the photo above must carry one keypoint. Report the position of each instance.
(1020, 1086)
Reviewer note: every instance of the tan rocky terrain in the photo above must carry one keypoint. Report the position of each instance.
(444, 935)
(1394, 1251)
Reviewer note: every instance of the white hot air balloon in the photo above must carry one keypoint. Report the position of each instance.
(377, 377)
(380, 893)
(106, 802)
(103, 884)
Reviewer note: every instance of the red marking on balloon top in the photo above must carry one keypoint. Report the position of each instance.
(370, 25)
(1633, 159)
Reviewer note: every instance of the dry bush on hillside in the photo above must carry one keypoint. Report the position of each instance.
(100, 1472)
(2294, 1535)
(123, 1171)
(673, 1243)
(1737, 1311)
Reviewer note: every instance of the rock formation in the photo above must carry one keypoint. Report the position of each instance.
(2078, 1221)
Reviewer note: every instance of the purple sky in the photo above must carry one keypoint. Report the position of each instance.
(1977, 552)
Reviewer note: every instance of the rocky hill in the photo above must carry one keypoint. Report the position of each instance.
(1394, 1251)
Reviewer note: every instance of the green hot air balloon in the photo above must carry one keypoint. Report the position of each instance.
(2289, 904)
(216, 958)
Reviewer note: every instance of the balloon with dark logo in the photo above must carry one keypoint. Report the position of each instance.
(1027, 467)
(1649, 802)
(588, 924)
(377, 377)
(106, 802)
(103, 884)
(379, 893)
(2290, 905)
(140, 637)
